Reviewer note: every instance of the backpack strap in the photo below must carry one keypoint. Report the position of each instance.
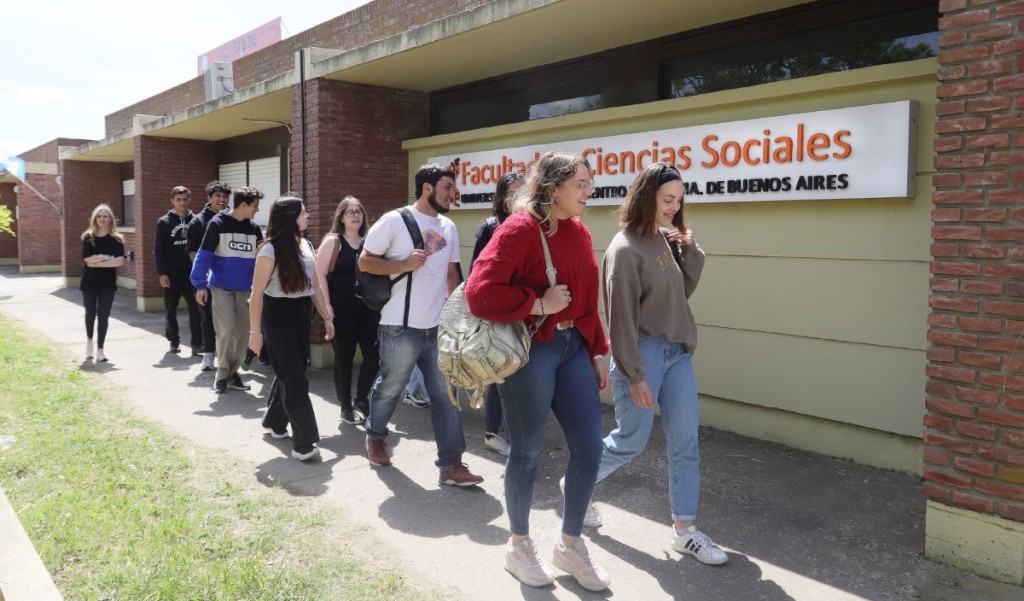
(551, 272)
(417, 242)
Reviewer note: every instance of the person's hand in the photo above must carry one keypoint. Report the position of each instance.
(600, 373)
(642, 396)
(416, 260)
(165, 282)
(556, 298)
(329, 330)
(255, 342)
(684, 238)
(201, 297)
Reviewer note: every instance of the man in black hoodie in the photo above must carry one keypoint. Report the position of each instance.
(217, 195)
(174, 265)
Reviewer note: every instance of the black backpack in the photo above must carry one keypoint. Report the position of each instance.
(375, 290)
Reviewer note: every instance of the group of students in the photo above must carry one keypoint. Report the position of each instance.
(650, 269)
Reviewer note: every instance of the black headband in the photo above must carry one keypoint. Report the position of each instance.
(668, 174)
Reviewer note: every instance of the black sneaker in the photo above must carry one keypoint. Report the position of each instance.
(362, 408)
(197, 350)
(236, 383)
(221, 386)
(349, 417)
(175, 348)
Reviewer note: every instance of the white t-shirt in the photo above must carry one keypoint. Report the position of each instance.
(390, 239)
(308, 262)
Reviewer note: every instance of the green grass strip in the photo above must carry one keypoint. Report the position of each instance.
(118, 509)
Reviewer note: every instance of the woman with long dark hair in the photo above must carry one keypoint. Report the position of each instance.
(284, 282)
(103, 253)
(651, 268)
(501, 208)
(355, 323)
(566, 371)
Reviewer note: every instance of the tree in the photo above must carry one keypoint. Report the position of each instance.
(6, 219)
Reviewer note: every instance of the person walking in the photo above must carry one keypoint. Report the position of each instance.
(280, 313)
(103, 252)
(217, 195)
(174, 265)
(355, 323)
(407, 334)
(651, 269)
(228, 254)
(504, 194)
(566, 370)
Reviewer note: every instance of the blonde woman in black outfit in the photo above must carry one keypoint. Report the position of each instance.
(354, 322)
(103, 253)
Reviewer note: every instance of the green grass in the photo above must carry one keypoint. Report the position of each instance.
(118, 509)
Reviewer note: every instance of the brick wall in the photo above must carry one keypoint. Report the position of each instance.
(373, 21)
(8, 243)
(86, 184)
(355, 134)
(974, 424)
(38, 223)
(161, 164)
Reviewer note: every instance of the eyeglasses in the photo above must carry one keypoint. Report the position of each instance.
(585, 185)
(353, 212)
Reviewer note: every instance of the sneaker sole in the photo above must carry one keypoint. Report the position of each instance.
(277, 435)
(305, 456)
(379, 464)
(233, 387)
(561, 564)
(354, 422)
(686, 551)
(460, 484)
(528, 581)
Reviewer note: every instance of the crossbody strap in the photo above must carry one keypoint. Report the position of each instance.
(551, 272)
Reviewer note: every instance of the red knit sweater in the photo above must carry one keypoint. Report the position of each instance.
(509, 276)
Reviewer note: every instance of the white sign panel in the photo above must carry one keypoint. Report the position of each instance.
(857, 152)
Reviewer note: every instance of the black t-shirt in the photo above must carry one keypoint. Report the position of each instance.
(100, 277)
(343, 279)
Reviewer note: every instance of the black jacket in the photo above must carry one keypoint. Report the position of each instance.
(171, 247)
(197, 228)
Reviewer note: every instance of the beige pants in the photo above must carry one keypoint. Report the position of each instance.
(231, 322)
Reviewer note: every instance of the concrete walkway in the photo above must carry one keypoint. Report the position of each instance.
(797, 526)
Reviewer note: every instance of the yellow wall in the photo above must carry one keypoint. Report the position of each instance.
(816, 308)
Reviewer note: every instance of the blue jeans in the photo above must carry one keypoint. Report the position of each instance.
(400, 349)
(558, 378)
(669, 370)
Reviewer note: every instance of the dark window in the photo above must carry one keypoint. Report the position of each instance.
(808, 39)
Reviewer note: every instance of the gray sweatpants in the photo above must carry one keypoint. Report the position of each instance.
(231, 322)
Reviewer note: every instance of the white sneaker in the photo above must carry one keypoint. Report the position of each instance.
(100, 355)
(415, 401)
(694, 542)
(88, 349)
(208, 362)
(496, 444)
(576, 560)
(592, 518)
(304, 455)
(523, 562)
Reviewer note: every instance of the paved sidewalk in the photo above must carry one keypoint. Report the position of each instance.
(797, 526)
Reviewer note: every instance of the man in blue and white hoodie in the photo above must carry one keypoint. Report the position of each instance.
(228, 254)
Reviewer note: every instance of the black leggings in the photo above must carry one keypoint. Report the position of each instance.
(354, 324)
(98, 302)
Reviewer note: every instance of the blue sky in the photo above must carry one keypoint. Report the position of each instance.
(67, 64)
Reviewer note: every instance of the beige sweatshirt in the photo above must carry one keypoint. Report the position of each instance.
(646, 288)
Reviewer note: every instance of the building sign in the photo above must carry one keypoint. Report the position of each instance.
(257, 39)
(858, 152)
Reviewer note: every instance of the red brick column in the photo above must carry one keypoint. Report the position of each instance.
(974, 425)
(161, 164)
(38, 223)
(354, 146)
(86, 184)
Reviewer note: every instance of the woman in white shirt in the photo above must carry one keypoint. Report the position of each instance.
(283, 286)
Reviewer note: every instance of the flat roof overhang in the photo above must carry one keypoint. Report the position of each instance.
(493, 39)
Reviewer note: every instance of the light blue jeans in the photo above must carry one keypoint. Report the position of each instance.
(669, 370)
(400, 350)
